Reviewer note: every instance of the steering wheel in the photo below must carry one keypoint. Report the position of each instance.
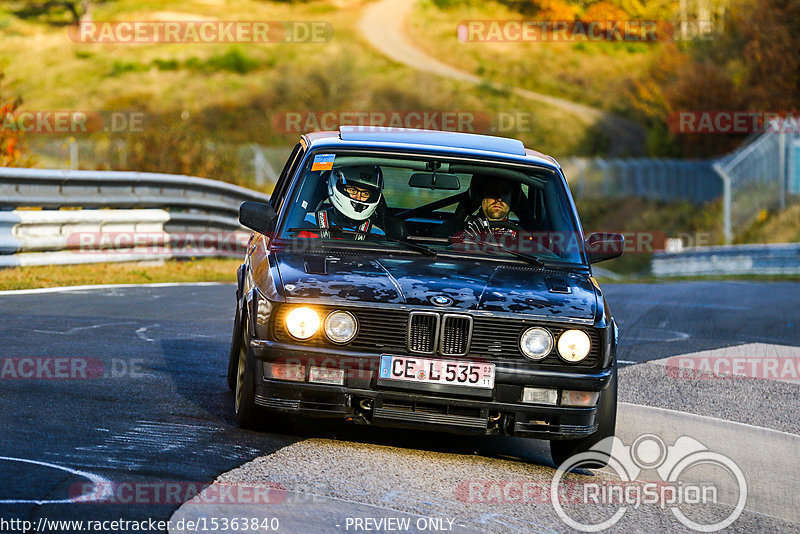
(505, 225)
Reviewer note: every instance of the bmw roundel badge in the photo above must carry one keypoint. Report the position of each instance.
(441, 300)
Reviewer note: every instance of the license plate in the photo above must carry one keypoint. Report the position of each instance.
(428, 371)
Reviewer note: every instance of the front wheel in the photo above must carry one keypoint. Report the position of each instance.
(562, 450)
(236, 343)
(244, 402)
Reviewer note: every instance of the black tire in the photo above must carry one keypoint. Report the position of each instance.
(236, 343)
(247, 413)
(562, 450)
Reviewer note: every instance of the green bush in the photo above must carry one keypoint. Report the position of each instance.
(166, 64)
(118, 68)
(234, 60)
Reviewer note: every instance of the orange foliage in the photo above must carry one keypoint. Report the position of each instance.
(11, 153)
(753, 65)
(604, 11)
(555, 10)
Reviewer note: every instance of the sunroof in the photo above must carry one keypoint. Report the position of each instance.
(432, 138)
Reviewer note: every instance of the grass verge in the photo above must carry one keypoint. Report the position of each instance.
(202, 270)
(595, 73)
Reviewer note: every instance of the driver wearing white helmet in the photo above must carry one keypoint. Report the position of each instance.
(355, 193)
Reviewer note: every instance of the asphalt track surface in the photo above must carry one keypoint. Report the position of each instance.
(153, 408)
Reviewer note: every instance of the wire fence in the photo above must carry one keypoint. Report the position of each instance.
(655, 178)
(762, 175)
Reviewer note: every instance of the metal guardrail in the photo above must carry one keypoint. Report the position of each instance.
(768, 259)
(116, 217)
(66, 237)
(46, 188)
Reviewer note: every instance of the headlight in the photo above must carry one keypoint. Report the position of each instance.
(340, 326)
(574, 345)
(536, 343)
(302, 323)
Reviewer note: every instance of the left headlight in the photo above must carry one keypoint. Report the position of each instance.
(340, 326)
(574, 345)
(302, 323)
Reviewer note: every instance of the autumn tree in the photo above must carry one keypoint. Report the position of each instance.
(752, 65)
(12, 151)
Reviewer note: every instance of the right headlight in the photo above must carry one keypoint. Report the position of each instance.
(536, 343)
(574, 345)
(302, 323)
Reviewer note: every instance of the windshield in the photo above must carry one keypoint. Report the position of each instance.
(447, 205)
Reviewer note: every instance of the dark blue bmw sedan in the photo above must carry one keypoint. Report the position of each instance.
(427, 280)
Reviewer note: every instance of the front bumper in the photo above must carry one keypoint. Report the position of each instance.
(366, 399)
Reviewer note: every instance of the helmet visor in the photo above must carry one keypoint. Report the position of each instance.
(358, 191)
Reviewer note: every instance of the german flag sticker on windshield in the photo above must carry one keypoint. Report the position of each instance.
(323, 162)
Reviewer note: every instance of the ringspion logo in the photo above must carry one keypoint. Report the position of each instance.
(648, 452)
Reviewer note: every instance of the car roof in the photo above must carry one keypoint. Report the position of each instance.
(428, 140)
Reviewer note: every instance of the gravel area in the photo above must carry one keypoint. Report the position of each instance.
(767, 403)
(321, 474)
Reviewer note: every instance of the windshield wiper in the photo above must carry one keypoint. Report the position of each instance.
(533, 260)
(372, 237)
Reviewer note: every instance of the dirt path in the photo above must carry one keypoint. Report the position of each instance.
(382, 24)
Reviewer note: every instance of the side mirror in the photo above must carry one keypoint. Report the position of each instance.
(603, 246)
(257, 216)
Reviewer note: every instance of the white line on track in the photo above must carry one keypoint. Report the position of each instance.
(78, 329)
(35, 291)
(141, 333)
(102, 486)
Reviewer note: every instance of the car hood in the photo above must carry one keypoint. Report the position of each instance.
(418, 280)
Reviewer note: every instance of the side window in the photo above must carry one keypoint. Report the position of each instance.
(276, 200)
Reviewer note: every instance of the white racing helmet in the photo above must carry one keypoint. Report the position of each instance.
(368, 179)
